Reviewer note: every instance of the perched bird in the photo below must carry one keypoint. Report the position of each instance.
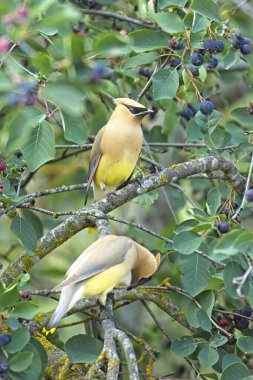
(110, 261)
(116, 148)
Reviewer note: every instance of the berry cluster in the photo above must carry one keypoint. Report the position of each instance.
(242, 323)
(211, 47)
(242, 43)
(4, 369)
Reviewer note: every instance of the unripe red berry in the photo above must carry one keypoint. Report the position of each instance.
(2, 166)
(4, 44)
(223, 322)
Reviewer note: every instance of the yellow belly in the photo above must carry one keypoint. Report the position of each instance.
(112, 173)
(105, 281)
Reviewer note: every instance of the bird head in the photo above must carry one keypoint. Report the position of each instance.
(132, 107)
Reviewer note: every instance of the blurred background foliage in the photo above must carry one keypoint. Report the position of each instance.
(58, 65)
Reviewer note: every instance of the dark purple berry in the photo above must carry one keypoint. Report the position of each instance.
(245, 49)
(176, 63)
(209, 44)
(197, 59)
(244, 41)
(246, 311)
(231, 340)
(242, 323)
(179, 46)
(172, 43)
(187, 113)
(2, 166)
(249, 195)
(144, 71)
(4, 367)
(213, 62)
(194, 71)
(238, 34)
(97, 72)
(223, 227)
(194, 109)
(220, 46)
(206, 107)
(225, 211)
(236, 43)
(1, 265)
(152, 169)
(4, 339)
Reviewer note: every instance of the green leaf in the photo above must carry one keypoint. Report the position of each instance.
(235, 371)
(139, 60)
(24, 309)
(206, 300)
(213, 200)
(145, 40)
(208, 123)
(245, 344)
(169, 22)
(231, 58)
(208, 356)
(232, 270)
(21, 361)
(229, 359)
(199, 23)
(184, 346)
(169, 3)
(111, 44)
(40, 146)
(208, 9)
(75, 129)
(19, 340)
(165, 84)
(25, 233)
(217, 340)
(225, 245)
(196, 274)
(186, 242)
(83, 349)
(203, 320)
(146, 200)
(9, 298)
(67, 97)
(243, 116)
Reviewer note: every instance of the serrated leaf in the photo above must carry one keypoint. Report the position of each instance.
(145, 40)
(213, 200)
(195, 271)
(25, 233)
(75, 129)
(208, 9)
(184, 346)
(217, 340)
(186, 242)
(19, 340)
(40, 146)
(83, 349)
(21, 361)
(208, 123)
(245, 344)
(146, 200)
(169, 22)
(165, 84)
(208, 356)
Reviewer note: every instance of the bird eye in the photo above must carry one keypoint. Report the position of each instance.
(135, 110)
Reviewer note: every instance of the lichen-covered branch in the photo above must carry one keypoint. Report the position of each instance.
(87, 217)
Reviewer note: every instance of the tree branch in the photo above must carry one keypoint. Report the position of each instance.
(76, 223)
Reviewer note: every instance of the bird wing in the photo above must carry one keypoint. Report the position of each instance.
(102, 254)
(95, 157)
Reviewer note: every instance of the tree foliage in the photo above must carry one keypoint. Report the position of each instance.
(61, 64)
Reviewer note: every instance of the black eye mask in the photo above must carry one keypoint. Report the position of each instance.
(138, 111)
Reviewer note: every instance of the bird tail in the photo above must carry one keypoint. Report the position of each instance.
(69, 296)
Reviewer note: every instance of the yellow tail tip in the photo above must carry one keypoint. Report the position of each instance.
(51, 331)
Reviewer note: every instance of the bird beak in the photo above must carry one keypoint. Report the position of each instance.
(145, 112)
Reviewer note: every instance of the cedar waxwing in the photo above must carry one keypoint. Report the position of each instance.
(116, 148)
(110, 261)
